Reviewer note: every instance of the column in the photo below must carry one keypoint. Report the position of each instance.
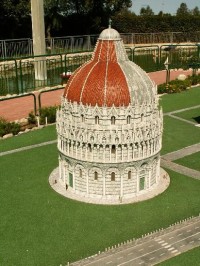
(39, 45)
(104, 182)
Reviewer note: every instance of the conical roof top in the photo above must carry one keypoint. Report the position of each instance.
(110, 78)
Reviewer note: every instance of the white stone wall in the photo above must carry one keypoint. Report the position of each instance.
(109, 140)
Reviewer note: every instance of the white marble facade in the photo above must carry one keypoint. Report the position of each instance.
(108, 151)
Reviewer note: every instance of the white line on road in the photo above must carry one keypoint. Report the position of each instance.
(128, 261)
(162, 254)
(141, 249)
(171, 237)
(120, 258)
(180, 234)
(152, 258)
(109, 262)
(129, 254)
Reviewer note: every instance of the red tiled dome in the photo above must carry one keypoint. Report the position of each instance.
(109, 78)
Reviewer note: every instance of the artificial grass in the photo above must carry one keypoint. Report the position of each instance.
(40, 227)
(33, 137)
(192, 115)
(177, 101)
(191, 161)
(188, 258)
(178, 134)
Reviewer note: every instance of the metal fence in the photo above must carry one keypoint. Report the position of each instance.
(18, 75)
(72, 44)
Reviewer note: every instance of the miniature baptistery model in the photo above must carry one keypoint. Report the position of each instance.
(109, 126)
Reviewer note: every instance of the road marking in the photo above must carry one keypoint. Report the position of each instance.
(162, 254)
(161, 241)
(151, 246)
(141, 249)
(168, 246)
(180, 234)
(130, 254)
(182, 245)
(120, 258)
(197, 227)
(188, 231)
(131, 260)
(191, 242)
(109, 262)
(164, 244)
(152, 258)
(175, 251)
(170, 249)
(142, 262)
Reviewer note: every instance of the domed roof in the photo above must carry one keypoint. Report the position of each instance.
(110, 78)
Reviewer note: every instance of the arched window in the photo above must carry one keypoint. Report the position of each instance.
(129, 174)
(80, 172)
(128, 119)
(113, 149)
(95, 175)
(112, 120)
(89, 147)
(96, 120)
(113, 176)
(82, 118)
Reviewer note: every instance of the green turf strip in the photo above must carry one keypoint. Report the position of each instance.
(29, 138)
(178, 134)
(177, 101)
(191, 161)
(192, 115)
(188, 258)
(40, 227)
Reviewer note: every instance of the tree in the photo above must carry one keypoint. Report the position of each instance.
(146, 11)
(196, 11)
(183, 10)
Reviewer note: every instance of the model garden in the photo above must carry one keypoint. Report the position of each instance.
(40, 227)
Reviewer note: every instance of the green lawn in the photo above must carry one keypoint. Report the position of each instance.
(177, 101)
(188, 258)
(178, 134)
(191, 161)
(192, 115)
(30, 138)
(40, 227)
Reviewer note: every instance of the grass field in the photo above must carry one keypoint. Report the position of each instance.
(192, 115)
(191, 161)
(39, 227)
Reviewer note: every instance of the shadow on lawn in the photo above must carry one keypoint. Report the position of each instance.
(197, 119)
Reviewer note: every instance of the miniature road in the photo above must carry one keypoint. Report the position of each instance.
(169, 243)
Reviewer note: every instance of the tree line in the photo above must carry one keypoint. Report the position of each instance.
(80, 17)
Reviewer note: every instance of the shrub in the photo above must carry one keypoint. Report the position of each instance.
(31, 118)
(50, 113)
(176, 85)
(8, 127)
